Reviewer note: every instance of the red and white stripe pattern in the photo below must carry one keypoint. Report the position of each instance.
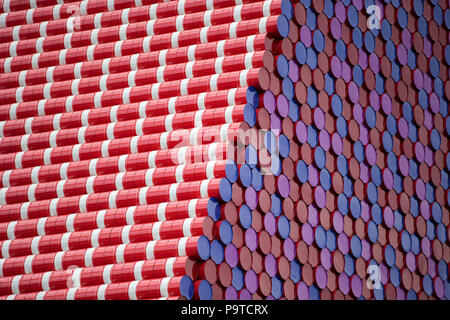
(118, 120)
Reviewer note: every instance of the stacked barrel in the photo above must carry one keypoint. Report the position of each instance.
(213, 149)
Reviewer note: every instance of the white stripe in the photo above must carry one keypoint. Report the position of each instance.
(163, 140)
(218, 65)
(2, 261)
(171, 105)
(152, 11)
(47, 156)
(105, 66)
(13, 49)
(57, 265)
(232, 30)
(209, 4)
(149, 250)
(102, 82)
(85, 117)
(180, 7)
(28, 264)
(174, 39)
(112, 200)
(68, 103)
(248, 60)
(60, 188)
(82, 203)
(120, 253)
(207, 18)
(173, 192)
(262, 25)
(149, 28)
(15, 284)
(156, 226)
(94, 238)
(191, 53)
(101, 292)
(19, 92)
(65, 242)
(125, 237)
(132, 290)
(2, 124)
(118, 49)
(193, 136)
(76, 278)
(182, 247)
(187, 227)
(143, 196)
(126, 95)
(45, 280)
(68, 40)
(191, 208)
(63, 170)
(184, 87)
(22, 78)
(198, 119)
(162, 57)
(110, 5)
(164, 287)
(243, 78)
(56, 121)
(161, 211)
(220, 48)
(49, 74)
(137, 271)
(121, 163)
(71, 294)
(133, 61)
(7, 63)
(168, 122)
(76, 152)
(179, 173)
(123, 32)
(210, 170)
(69, 24)
(40, 45)
(107, 273)
(110, 130)
(213, 82)
(98, 20)
(204, 188)
(10, 229)
(113, 113)
(40, 295)
(249, 43)
(223, 131)
(149, 177)
(16, 33)
(80, 134)
(118, 181)
(61, 57)
(237, 13)
(53, 207)
(133, 144)
(229, 114)
(188, 69)
(131, 78)
(35, 245)
(18, 160)
(5, 178)
(130, 215)
(201, 101)
(33, 4)
(98, 99)
(100, 219)
(204, 35)
(90, 185)
(266, 8)
(24, 210)
(3, 196)
(105, 147)
(40, 226)
(3, 20)
(74, 86)
(169, 267)
(5, 248)
(152, 159)
(124, 16)
(146, 44)
(30, 192)
(83, 7)
(88, 257)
